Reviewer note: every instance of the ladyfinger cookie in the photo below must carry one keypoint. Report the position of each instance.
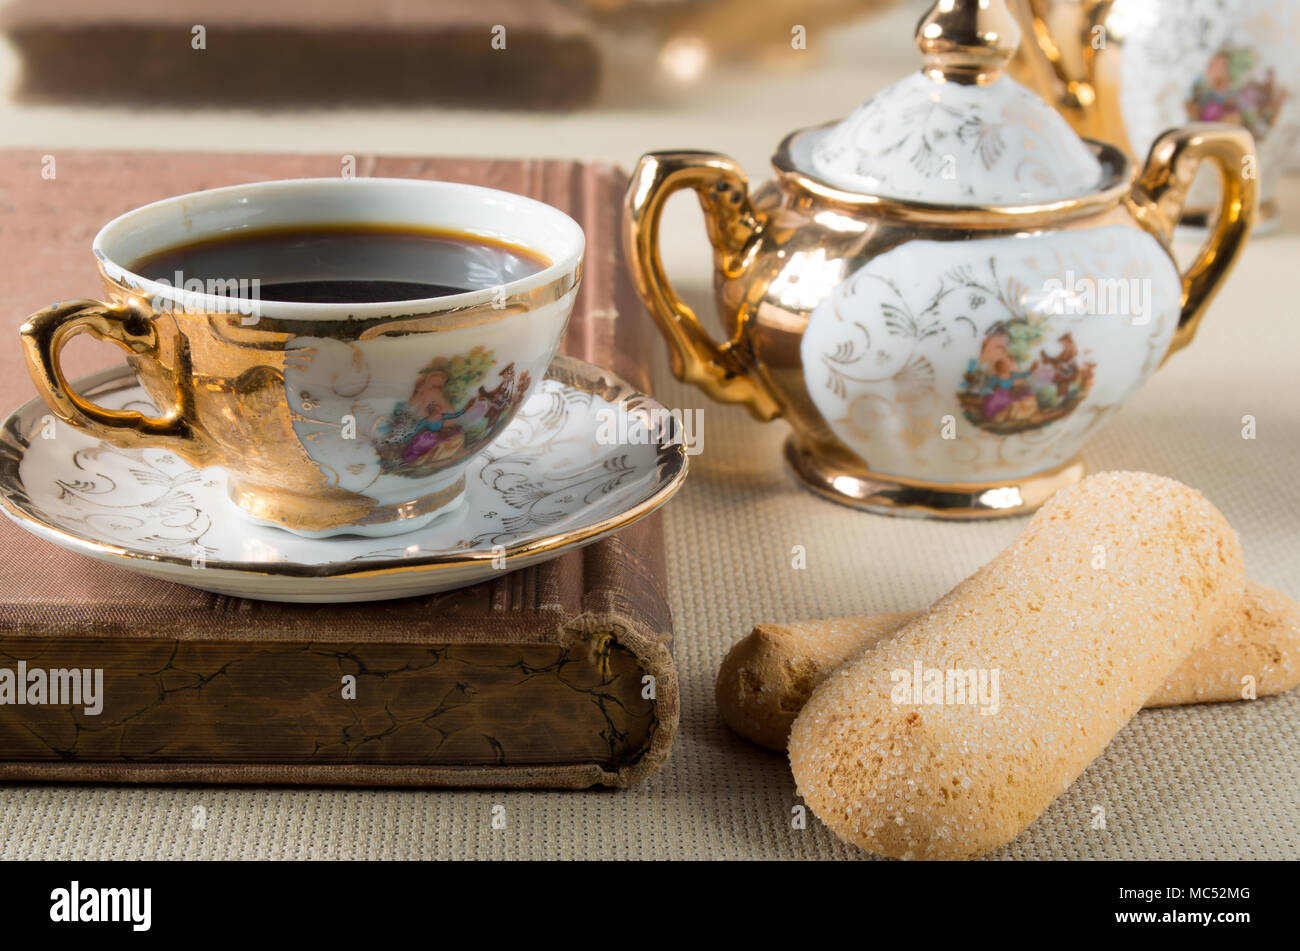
(1259, 652)
(1022, 673)
(767, 676)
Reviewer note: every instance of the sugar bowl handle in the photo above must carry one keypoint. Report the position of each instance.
(733, 227)
(1161, 189)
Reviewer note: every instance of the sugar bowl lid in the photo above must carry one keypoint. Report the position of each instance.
(959, 131)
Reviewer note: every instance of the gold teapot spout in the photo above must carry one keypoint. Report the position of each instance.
(1058, 57)
(734, 228)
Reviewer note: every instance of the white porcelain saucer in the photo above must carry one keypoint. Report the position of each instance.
(586, 455)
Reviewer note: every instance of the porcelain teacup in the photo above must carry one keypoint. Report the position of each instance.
(322, 414)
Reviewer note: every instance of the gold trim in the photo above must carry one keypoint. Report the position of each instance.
(131, 326)
(1161, 189)
(1204, 219)
(734, 230)
(672, 464)
(957, 501)
(256, 331)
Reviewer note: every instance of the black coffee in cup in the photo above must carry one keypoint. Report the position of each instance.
(341, 264)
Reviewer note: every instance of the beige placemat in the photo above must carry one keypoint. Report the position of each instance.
(1209, 782)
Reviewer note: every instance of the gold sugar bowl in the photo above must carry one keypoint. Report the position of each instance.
(947, 291)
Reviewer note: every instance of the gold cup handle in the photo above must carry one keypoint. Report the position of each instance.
(130, 326)
(733, 227)
(1162, 187)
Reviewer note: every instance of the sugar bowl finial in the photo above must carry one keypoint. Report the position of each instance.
(967, 41)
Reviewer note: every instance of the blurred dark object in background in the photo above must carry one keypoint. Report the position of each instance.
(254, 53)
(694, 35)
(485, 54)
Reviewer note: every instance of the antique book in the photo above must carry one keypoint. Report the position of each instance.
(245, 53)
(558, 675)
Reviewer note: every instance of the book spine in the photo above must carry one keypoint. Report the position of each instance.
(569, 713)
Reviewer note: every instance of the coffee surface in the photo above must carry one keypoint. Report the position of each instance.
(344, 264)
